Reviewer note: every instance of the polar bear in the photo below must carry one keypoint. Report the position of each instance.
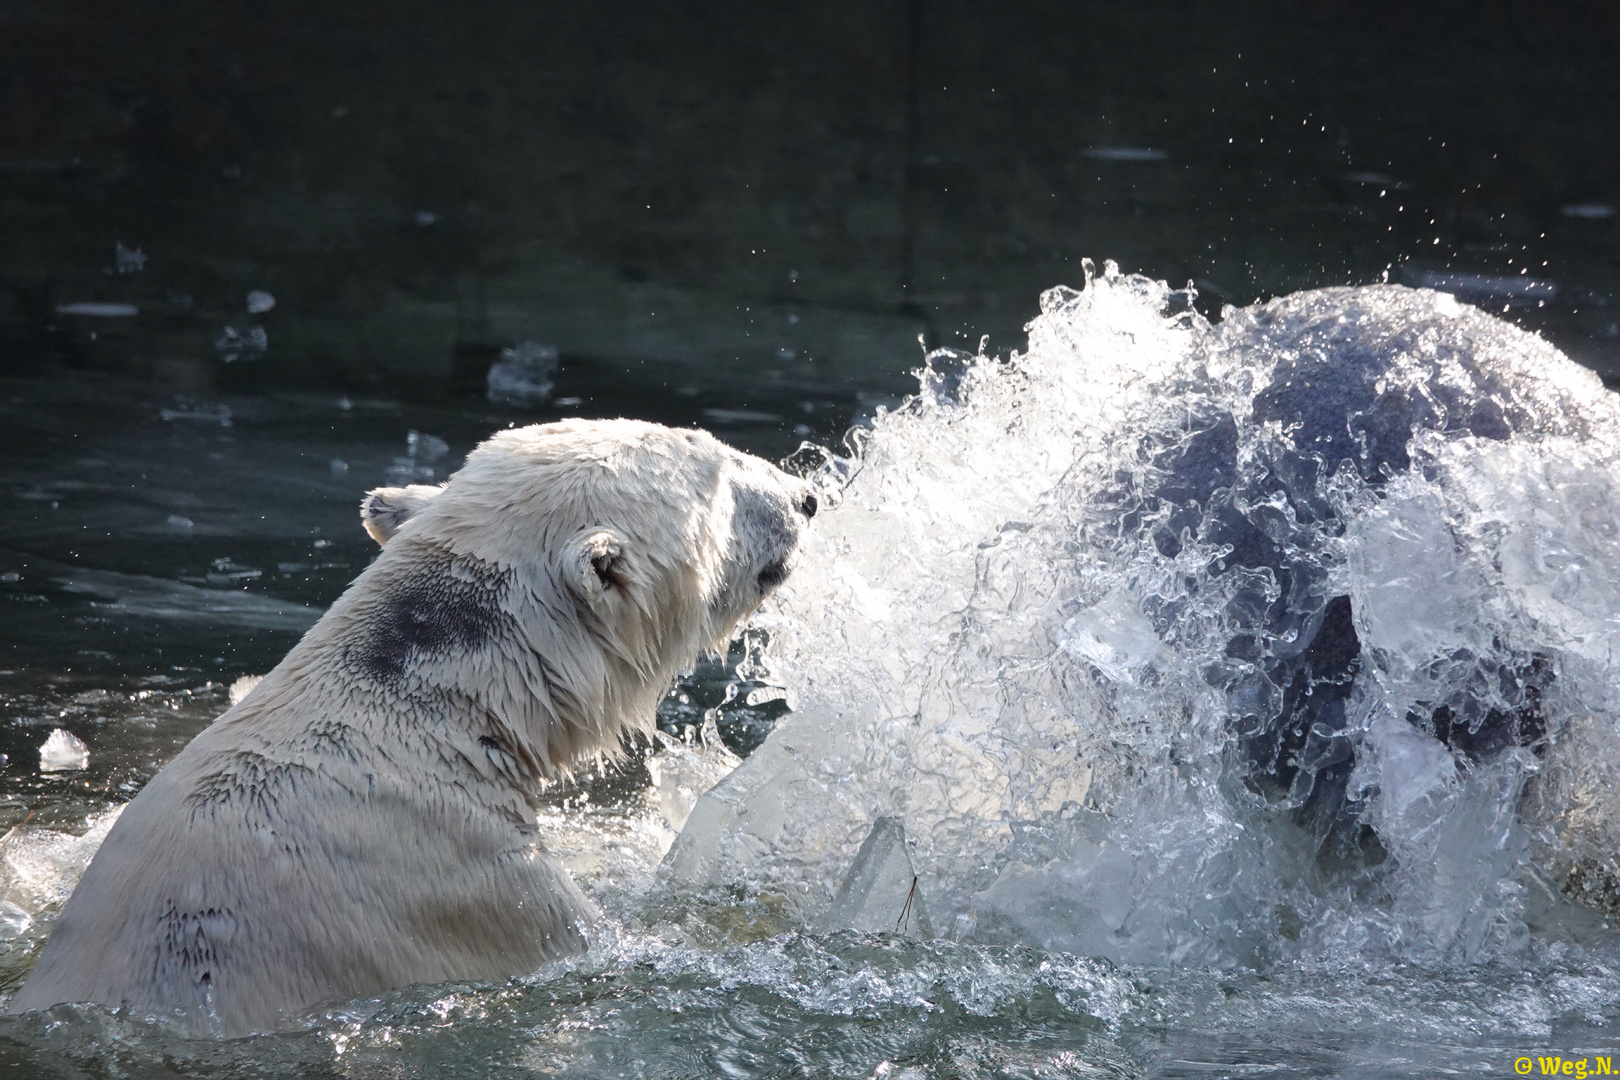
(364, 818)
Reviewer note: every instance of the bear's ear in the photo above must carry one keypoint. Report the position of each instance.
(384, 510)
(598, 560)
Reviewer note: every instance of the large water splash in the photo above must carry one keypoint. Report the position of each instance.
(1170, 642)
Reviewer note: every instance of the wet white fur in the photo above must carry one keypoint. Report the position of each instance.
(340, 832)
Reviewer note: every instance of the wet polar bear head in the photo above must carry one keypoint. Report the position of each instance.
(580, 565)
(364, 818)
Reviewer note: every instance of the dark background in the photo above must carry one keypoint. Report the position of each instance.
(754, 204)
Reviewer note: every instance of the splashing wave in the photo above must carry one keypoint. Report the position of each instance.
(1174, 642)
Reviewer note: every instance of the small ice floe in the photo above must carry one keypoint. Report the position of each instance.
(14, 921)
(128, 260)
(339, 467)
(426, 218)
(135, 595)
(224, 572)
(1124, 153)
(881, 891)
(421, 451)
(245, 343)
(259, 302)
(242, 687)
(96, 310)
(742, 416)
(1492, 288)
(179, 521)
(682, 774)
(1587, 211)
(206, 412)
(63, 751)
(568, 402)
(522, 376)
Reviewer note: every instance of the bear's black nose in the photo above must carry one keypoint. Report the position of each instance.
(809, 506)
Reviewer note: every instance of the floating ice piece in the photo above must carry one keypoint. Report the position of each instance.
(339, 466)
(204, 411)
(128, 260)
(426, 218)
(156, 598)
(421, 451)
(1587, 211)
(1125, 153)
(96, 310)
(233, 344)
(242, 687)
(522, 376)
(1502, 289)
(14, 921)
(259, 302)
(682, 774)
(426, 448)
(881, 891)
(180, 521)
(63, 751)
(742, 416)
(225, 572)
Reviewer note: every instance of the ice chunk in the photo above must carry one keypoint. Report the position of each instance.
(522, 376)
(242, 687)
(682, 774)
(259, 302)
(14, 921)
(97, 310)
(241, 343)
(148, 597)
(426, 448)
(206, 412)
(421, 452)
(128, 260)
(1124, 153)
(63, 751)
(881, 891)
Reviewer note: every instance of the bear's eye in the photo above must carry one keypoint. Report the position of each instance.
(808, 506)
